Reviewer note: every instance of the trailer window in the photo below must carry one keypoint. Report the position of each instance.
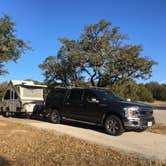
(12, 95)
(15, 96)
(32, 92)
(7, 95)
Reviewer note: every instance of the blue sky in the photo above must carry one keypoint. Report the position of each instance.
(43, 22)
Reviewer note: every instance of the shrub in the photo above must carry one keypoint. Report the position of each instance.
(158, 90)
(127, 90)
(144, 94)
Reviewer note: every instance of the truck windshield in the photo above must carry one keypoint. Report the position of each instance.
(107, 96)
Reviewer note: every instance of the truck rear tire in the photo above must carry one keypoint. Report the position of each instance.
(113, 125)
(55, 117)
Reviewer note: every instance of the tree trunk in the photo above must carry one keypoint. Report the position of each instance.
(92, 79)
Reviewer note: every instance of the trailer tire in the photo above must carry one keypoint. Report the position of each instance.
(7, 114)
(29, 115)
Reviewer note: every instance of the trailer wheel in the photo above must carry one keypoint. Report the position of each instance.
(28, 115)
(7, 114)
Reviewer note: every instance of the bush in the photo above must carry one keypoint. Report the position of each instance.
(134, 91)
(158, 90)
(3, 87)
(144, 94)
(127, 90)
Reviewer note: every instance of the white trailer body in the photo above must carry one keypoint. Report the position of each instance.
(22, 97)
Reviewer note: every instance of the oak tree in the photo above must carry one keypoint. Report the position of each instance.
(11, 47)
(100, 57)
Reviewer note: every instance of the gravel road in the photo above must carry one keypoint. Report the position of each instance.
(146, 144)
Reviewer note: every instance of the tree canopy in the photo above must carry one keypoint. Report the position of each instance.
(3, 87)
(158, 90)
(11, 47)
(100, 57)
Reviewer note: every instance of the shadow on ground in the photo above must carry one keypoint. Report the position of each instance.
(97, 128)
(74, 124)
(4, 162)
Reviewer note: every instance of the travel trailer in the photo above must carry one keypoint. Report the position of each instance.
(22, 97)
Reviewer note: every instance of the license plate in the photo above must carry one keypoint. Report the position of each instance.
(149, 124)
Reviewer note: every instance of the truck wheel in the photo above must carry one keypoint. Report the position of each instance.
(113, 125)
(55, 117)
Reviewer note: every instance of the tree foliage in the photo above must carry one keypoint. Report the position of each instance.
(134, 91)
(11, 47)
(158, 90)
(144, 94)
(3, 87)
(99, 57)
(127, 89)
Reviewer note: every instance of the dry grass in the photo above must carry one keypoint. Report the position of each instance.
(160, 103)
(158, 128)
(23, 145)
(157, 103)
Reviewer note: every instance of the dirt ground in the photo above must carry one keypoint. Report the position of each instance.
(146, 144)
(21, 144)
(160, 116)
(149, 145)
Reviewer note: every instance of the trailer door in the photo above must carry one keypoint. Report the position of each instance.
(13, 101)
(6, 100)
